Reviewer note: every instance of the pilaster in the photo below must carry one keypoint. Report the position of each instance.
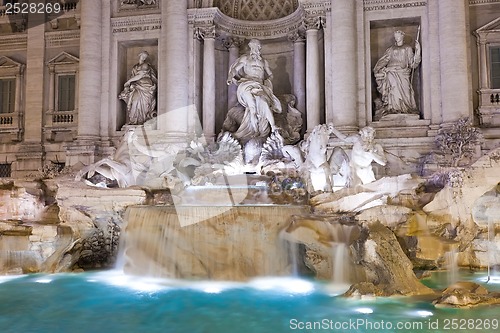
(173, 84)
(343, 107)
(89, 86)
(31, 153)
(456, 99)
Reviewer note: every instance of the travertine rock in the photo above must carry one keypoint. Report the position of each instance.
(384, 262)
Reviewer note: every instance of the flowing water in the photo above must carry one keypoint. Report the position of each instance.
(113, 302)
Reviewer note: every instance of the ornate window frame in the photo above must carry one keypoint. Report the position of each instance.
(12, 123)
(61, 121)
(487, 36)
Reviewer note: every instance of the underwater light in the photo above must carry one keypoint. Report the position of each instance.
(364, 310)
(424, 313)
(119, 279)
(43, 280)
(289, 285)
(9, 278)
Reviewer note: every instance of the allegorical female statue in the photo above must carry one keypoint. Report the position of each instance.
(393, 73)
(139, 92)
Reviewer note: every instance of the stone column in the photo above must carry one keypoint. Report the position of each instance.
(343, 62)
(299, 69)
(208, 35)
(90, 71)
(173, 87)
(313, 81)
(456, 99)
(233, 45)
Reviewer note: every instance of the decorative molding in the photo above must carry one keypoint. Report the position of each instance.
(15, 42)
(230, 42)
(372, 5)
(227, 26)
(62, 38)
(297, 36)
(150, 22)
(482, 2)
(10, 67)
(203, 33)
(63, 58)
(133, 5)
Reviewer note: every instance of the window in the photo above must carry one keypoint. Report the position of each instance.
(5, 170)
(495, 67)
(66, 93)
(7, 95)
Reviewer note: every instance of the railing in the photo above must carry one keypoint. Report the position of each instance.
(11, 126)
(69, 6)
(489, 107)
(6, 120)
(489, 97)
(62, 118)
(9, 120)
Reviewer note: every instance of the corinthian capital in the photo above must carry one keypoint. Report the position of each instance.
(314, 22)
(297, 36)
(205, 32)
(230, 42)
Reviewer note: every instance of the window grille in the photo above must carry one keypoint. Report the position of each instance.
(5, 170)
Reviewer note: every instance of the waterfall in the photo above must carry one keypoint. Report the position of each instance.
(341, 258)
(452, 265)
(206, 241)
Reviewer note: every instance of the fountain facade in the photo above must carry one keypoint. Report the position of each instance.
(216, 176)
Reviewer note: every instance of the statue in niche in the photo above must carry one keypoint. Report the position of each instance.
(259, 112)
(139, 92)
(394, 76)
(252, 75)
(364, 152)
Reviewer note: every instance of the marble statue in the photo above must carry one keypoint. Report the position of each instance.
(134, 162)
(117, 168)
(394, 74)
(323, 169)
(364, 152)
(252, 75)
(139, 92)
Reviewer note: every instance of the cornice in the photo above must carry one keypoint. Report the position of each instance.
(62, 38)
(130, 21)
(13, 42)
(225, 25)
(482, 2)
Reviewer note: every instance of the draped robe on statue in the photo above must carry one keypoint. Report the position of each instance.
(257, 99)
(393, 76)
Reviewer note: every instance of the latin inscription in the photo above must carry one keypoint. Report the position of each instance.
(396, 5)
(137, 28)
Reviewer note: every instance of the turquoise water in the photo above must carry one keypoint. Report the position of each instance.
(112, 302)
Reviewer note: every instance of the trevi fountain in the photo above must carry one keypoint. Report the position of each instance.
(268, 226)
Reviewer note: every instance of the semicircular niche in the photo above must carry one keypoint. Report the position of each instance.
(257, 10)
